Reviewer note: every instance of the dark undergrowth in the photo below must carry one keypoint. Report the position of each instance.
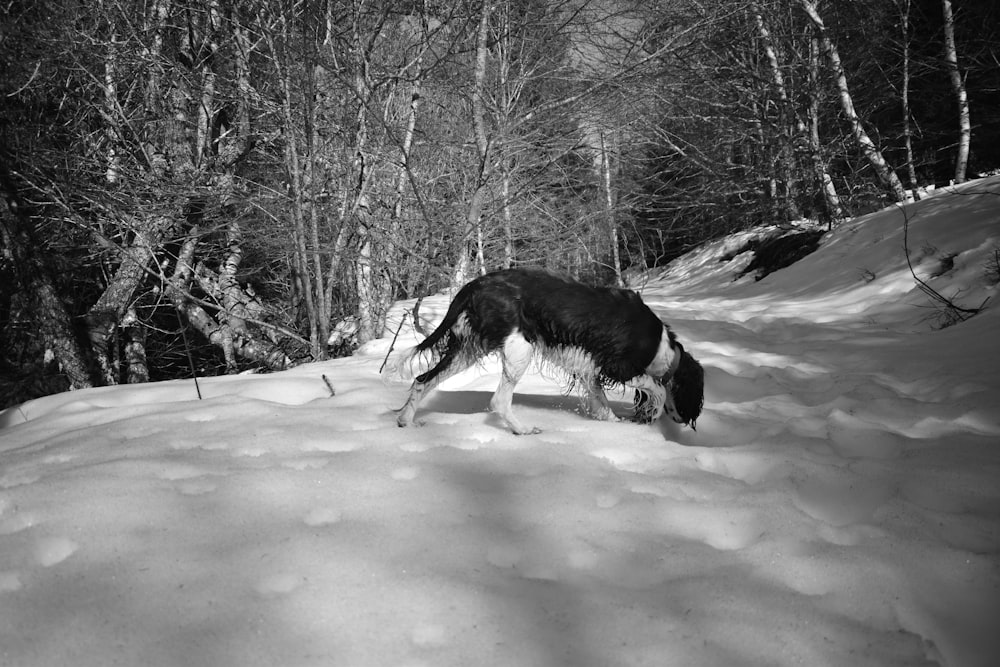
(776, 251)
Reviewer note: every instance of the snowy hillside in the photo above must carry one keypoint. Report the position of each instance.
(838, 505)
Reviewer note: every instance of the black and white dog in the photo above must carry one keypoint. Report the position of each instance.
(601, 337)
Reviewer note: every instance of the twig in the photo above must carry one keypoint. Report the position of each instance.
(28, 82)
(329, 385)
(416, 317)
(944, 302)
(392, 345)
(187, 347)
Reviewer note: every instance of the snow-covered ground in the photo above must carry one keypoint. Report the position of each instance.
(838, 505)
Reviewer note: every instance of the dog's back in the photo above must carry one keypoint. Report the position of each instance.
(613, 326)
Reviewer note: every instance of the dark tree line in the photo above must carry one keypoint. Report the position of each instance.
(226, 180)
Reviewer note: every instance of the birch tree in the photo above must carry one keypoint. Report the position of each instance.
(482, 170)
(904, 99)
(871, 152)
(961, 96)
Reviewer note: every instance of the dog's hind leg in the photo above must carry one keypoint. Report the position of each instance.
(516, 357)
(409, 409)
(451, 363)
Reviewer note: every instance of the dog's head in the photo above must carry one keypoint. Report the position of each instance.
(684, 395)
(687, 390)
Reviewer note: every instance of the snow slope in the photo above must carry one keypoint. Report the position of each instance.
(838, 505)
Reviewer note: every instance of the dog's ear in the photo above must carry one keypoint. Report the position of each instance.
(645, 408)
(688, 389)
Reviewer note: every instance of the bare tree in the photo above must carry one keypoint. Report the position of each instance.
(904, 29)
(871, 152)
(831, 198)
(958, 86)
(20, 242)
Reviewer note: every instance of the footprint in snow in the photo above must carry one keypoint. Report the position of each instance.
(280, 583)
(841, 500)
(429, 635)
(583, 558)
(725, 529)
(405, 474)
(178, 471)
(251, 452)
(503, 555)
(323, 516)
(12, 479)
(58, 458)
(10, 581)
(306, 463)
(16, 523)
(337, 446)
(51, 551)
(854, 438)
(749, 467)
(195, 487)
(607, 500)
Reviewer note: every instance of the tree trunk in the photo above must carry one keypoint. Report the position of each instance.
(508, 222)
(246, 347)
(358, 213)
(790, 122)
(137, 368)
(507, 93)
(831, 199)
(964, 121)
(904, 27)
(867, 146)
(313, 187)
(296, 177)
(609, 209)
(105, 316)
(207, 35)
(52, 320)
(473, 218)
(112, 130)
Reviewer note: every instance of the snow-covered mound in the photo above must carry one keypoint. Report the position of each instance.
(839, 504)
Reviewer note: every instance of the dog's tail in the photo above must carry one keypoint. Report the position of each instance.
(409, 362)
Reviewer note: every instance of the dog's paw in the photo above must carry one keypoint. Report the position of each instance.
(533, 430)
(604, 414)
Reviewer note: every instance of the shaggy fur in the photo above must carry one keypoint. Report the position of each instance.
(600, 337)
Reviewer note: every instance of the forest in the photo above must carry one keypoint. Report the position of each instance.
(210, 187)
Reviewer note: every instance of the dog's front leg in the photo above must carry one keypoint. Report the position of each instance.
(598, 402)
(515, 357)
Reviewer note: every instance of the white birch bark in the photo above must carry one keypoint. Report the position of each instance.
(786, 157)
(474, 213)
(958, 85)
(829, 190)
(904, 28)
(871, 152)
(609, 208)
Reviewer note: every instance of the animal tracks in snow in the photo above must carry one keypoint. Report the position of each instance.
(720, 527)
(51, 551)
(10, 581)
(278, 584)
